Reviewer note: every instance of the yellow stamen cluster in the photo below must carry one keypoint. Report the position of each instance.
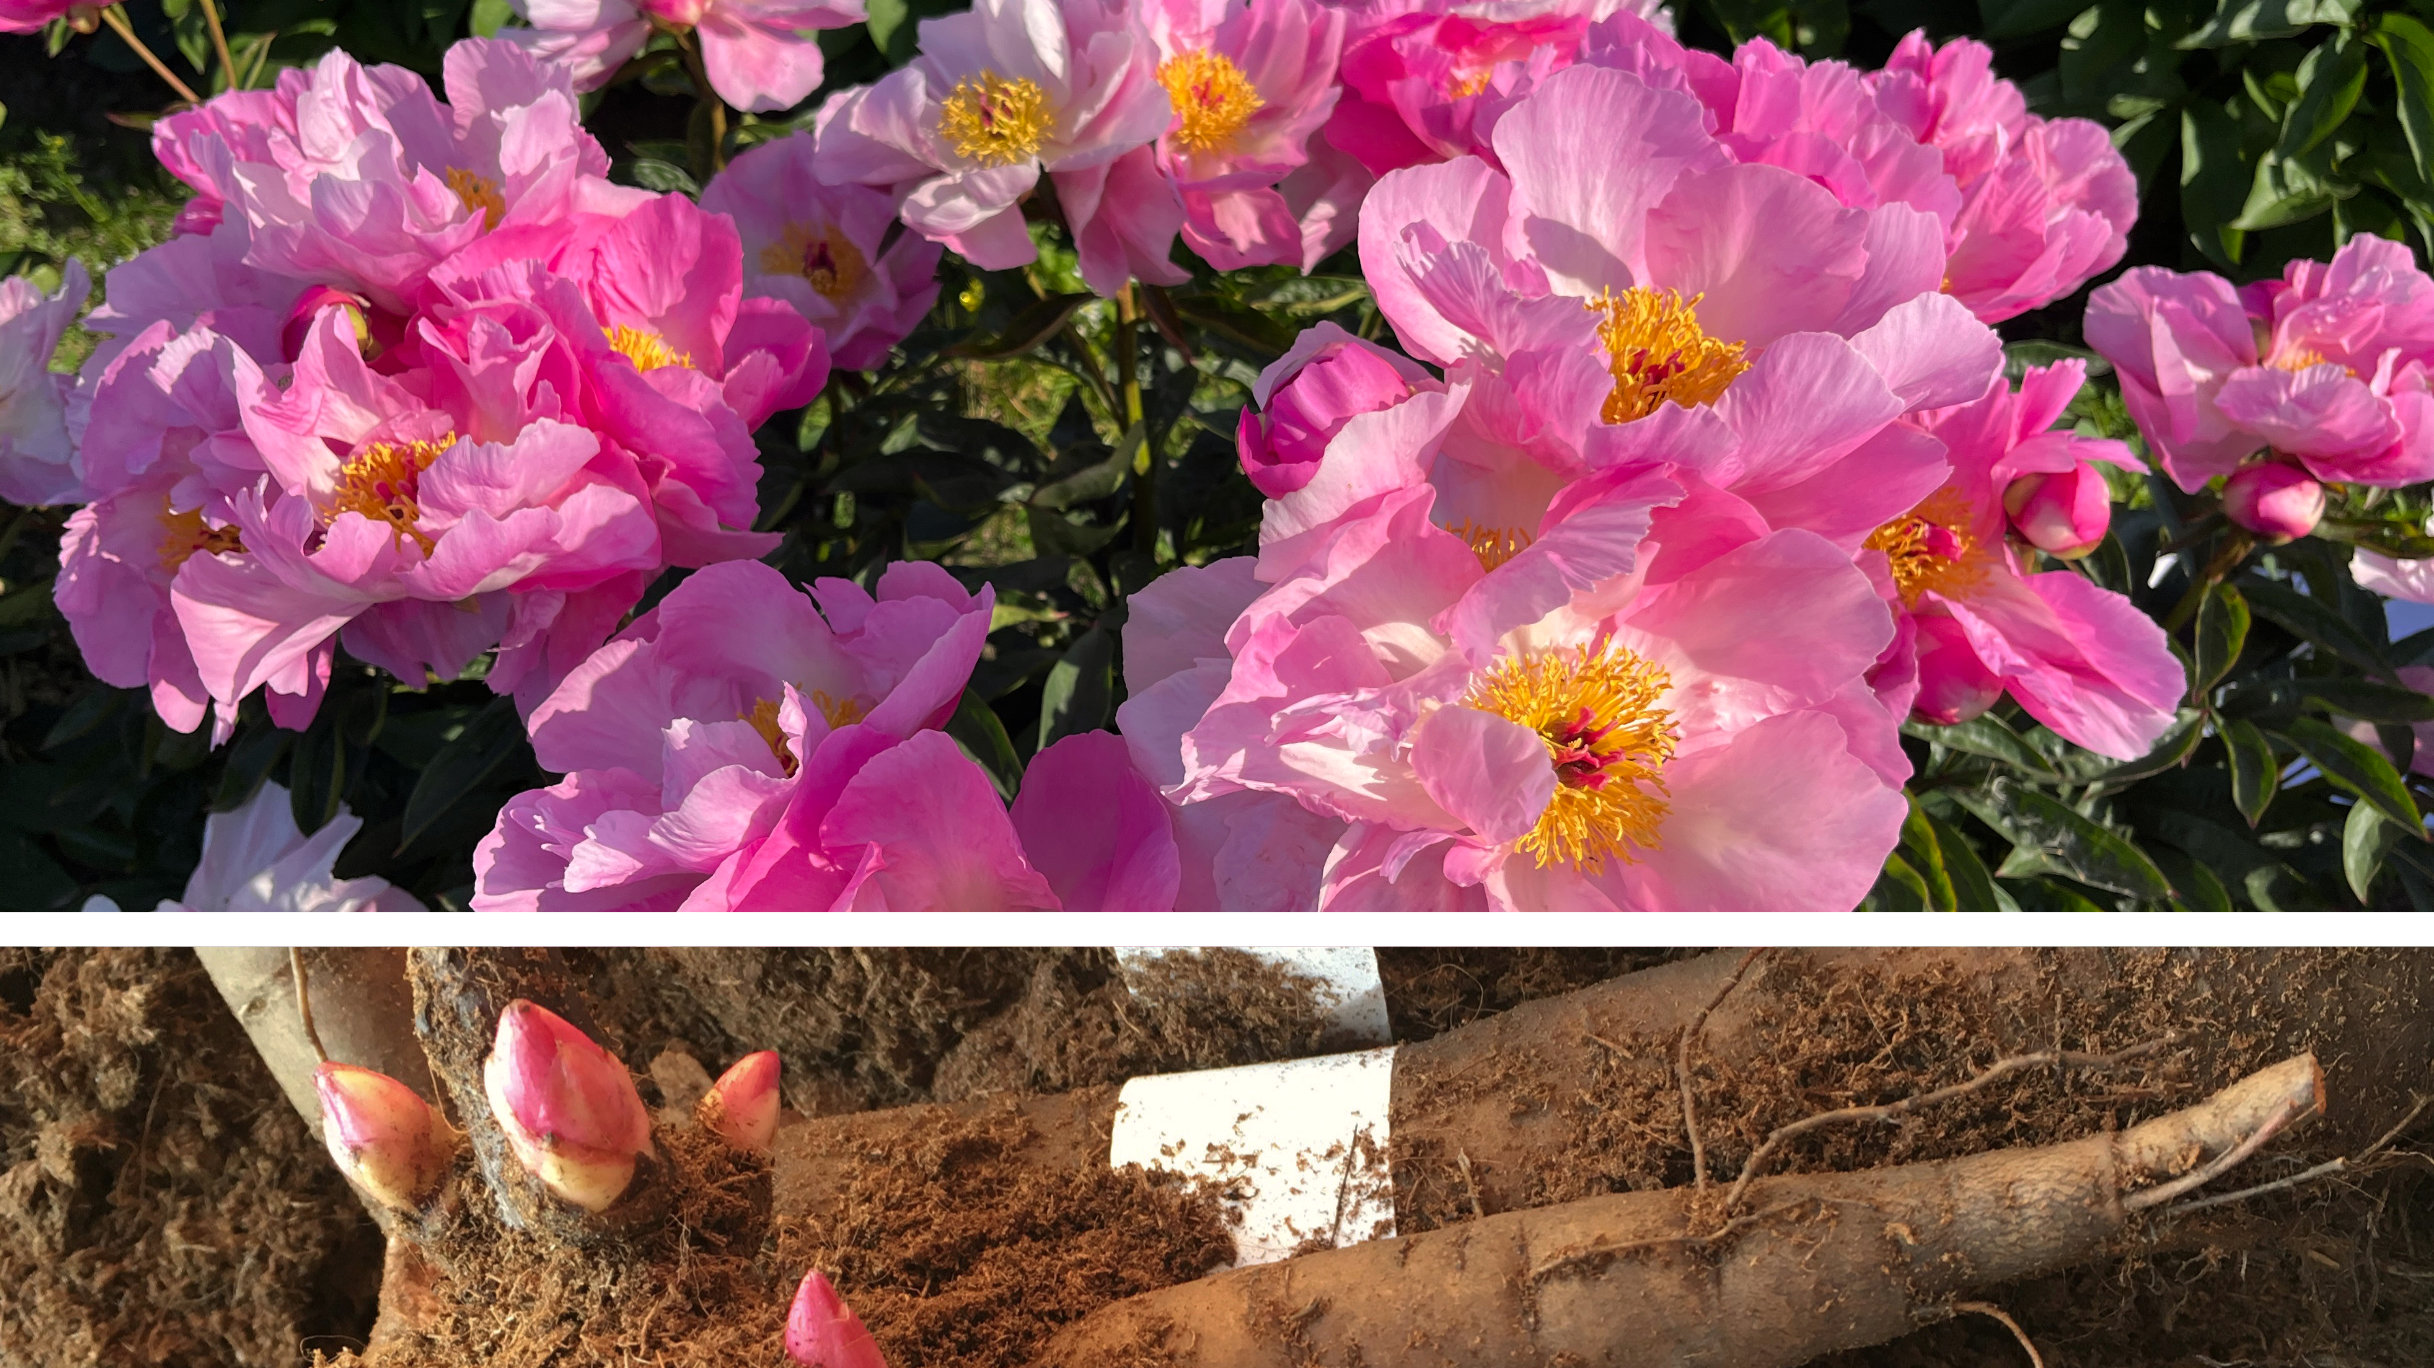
(380, 482)
(1658, 353)
(1929, 547)
(184, 532)
(2299, 359)
(647, 350)
(832, 265)
(1212, 100)
(995, 121)
(1468, 86)
(840, 712)
(1597, 712)
(479, 194)
(1492, 545)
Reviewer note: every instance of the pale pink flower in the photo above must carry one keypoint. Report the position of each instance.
(1306, 396)
(2047, 204)
(2328, 365)
(1000, 95)
(1631, 747)
(1251, 85)
(816, 247)
(757, 53)
(37, 460)
(255, 859)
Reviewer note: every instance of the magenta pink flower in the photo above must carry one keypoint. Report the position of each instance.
(816, 247)
(2079, 658)
(757, 53)
(37, 460)
(33, 16)
(1307, 395)
(2279, 503)
(999, 95)
(2327, 365)
(1250, 85)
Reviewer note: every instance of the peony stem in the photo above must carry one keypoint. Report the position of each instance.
(126, 33)
(219, 42)
(1145, 461)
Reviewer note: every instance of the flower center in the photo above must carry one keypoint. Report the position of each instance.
(380, 481)
(1927, 548)
(1659, 354)
(479, 193)
(829, 263)
(764, 719)
(1492, 545)
(1464, 87)
(184, 533)
(1598, 714)
(647, 350)
(1212, 99)
(994, 121)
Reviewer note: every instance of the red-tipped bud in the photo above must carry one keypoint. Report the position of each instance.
(2061, 513)
(568, 1107)
(823, 1332)
(1953, 684)
(741, 1108)
(381, 1134)
(2280, 503)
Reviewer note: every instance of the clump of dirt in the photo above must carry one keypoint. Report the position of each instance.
(691, 1292)
(1432, 990)
(160, 1202)
(958, 1254)
(866, 1028)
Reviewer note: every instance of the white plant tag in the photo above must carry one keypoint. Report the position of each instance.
(1349, 987)
(1299, 1145)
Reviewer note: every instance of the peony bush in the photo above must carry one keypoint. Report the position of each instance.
(1153, 454)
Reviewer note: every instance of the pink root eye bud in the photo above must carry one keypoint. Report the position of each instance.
(568, 1107)
(2280, 503)
(823, 1332)
(741, 1108)
(382, 1135)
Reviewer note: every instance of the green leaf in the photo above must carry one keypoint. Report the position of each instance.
(1986, 735)
(665, 177)
(2331, 78)
(2409, 46)
(2368, 701)
(2222, 630)
(976, 728)
(2176, 745)
(2017, 18)
(1899, 888)
(1247, 328)
(489, 16)
(1079, 688)
(2214, 180)
(2246, 21)
(1094, 481)
(2366, 838)
(2073, 844)
(1973, 888)
(94, 707)
(1035, 324)
(250, 760)
(2255, 774)
(2355, 767)
(2308, 620)
(1925, 844)
(317, 772)
(460, 766)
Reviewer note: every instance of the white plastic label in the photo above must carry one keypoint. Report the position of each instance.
(1299, 1146)
(1348, 984)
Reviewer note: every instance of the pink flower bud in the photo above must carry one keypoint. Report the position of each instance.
(2278, 502)
(1953, 684)
(823, 1332)
(568, 1107)
(381, 1134)
(741, 1108)
(2062, 513)
(309, 307)
(1282, 443)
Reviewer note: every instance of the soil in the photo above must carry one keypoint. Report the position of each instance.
(160, 1202)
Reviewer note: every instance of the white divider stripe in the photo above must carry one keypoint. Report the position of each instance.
(1353, 993)
(1299, 1146)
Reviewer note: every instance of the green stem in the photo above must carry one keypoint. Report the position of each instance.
(219, 43)
(2234, 549)
(1144, 461)
(709, 100)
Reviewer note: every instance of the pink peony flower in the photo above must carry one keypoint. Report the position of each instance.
(2079, 658)
(2327, 365)
(816, 247)
(1307, 395)
(356, 177)
(757, 53)
(2279, 503)
(1250, 85)
(33, 16)
(998, 96)
(2047, 204)
(1632, 746)
(37, 460)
